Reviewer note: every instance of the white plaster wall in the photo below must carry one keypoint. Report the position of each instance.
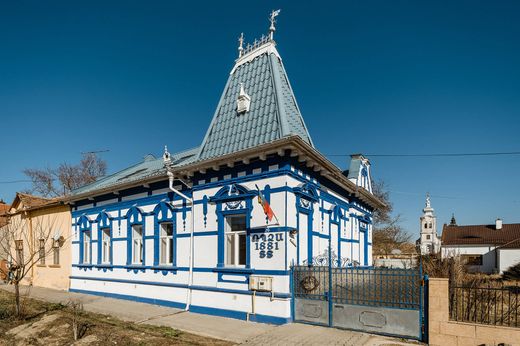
(507, 258)
(488, 259)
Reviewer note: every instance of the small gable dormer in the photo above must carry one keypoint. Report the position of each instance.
(243, 101)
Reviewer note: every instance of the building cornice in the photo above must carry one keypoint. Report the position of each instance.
(298, 148)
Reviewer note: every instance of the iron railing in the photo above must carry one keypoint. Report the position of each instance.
(486, 305)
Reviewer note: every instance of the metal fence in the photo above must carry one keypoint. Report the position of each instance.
(385, 287)
(378, 300)
(388, 287)
(486, 305)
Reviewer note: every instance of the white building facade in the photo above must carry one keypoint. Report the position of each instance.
(193, 230)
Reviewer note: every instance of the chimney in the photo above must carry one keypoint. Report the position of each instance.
(498, 223)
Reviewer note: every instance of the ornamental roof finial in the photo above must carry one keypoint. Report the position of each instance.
(272, 19)
(166, 157)
(241, 45)
(428, 202)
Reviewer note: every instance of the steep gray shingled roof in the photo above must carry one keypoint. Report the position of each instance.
(149, 167)
(273, 113)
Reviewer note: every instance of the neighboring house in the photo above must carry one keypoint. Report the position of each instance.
(188, 230)
(484, 248)
(3, 253)
(428, 242)
(41, 229)
(3, 221)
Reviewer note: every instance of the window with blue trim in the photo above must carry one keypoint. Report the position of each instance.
(234, 205)
(236, 240)
(135, 237)
(106, 246)
(137, 244)
(87, 251)
(164, 235)
(104, 238)
(166, 244)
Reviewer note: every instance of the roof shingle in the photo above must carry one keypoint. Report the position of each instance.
(480, 234)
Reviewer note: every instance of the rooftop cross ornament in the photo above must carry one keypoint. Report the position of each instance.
(272, 19)
(241, 45)
(428, 203)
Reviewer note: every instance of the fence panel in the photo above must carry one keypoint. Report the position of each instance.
(379, 300)
(486, 305)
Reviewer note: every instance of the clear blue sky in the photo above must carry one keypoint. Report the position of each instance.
(376, 77)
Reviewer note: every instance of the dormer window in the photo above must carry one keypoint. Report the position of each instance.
(243, 101)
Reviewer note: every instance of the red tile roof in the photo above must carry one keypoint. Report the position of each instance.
(481, 234)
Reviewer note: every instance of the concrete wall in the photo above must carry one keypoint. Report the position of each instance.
(443, 332)
(507, 258)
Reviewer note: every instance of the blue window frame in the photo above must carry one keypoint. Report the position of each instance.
(136, 249)
(104, 239)
(165, 235)
(234, 205)
(85, 240)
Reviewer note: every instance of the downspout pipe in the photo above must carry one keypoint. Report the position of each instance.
(171, 178)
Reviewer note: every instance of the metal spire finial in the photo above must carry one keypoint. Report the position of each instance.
(166, 156)
(272, 19)
(428, 202)
(241, 45)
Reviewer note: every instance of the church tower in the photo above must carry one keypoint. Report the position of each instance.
(429, 242)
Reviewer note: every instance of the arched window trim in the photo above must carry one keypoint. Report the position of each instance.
(164, 212)
(85, 225)
(135, 216)
(104, 221)
(233, 199)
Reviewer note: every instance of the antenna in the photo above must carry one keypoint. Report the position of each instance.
(95, 151)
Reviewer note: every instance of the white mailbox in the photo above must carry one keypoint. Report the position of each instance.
(261, 283)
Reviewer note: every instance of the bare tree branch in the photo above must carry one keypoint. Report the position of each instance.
(53, 182)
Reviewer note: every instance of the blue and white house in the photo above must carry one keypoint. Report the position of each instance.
(187, 230)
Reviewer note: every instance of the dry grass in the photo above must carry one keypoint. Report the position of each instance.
(98, 329)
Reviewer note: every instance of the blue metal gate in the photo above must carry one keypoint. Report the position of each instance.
(376, 300)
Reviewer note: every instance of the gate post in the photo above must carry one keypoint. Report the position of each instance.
(425, 312)
(329, 293)
(291, 287)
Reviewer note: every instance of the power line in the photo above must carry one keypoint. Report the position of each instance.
(15, 181)
(438, 154)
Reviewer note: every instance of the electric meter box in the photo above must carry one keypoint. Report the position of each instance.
(261, 283)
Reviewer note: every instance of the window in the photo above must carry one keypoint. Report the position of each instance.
(19, 251)
(235, 241)
(106, 254)
(56, 252)
(166, 244)
(137, 244)
(430, 225)
(428, 237)
(472, 260)
(425, 225)
(86, 247)
(41, 252)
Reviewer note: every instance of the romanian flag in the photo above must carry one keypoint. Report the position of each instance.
(265, 205)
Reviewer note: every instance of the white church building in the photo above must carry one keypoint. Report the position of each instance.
(429, 242)
(195, 229)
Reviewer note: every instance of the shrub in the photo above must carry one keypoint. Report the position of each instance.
(513, 273)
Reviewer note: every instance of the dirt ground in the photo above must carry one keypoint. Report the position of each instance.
(51, 324)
